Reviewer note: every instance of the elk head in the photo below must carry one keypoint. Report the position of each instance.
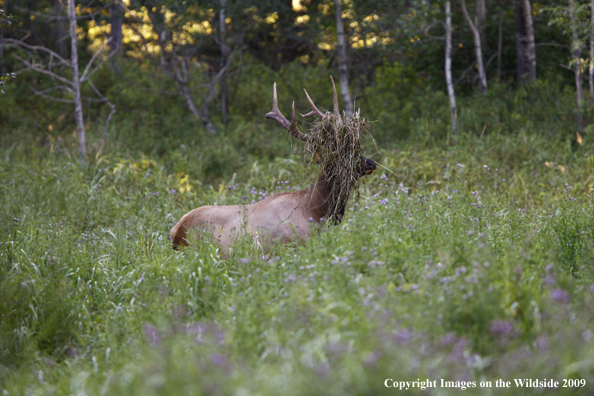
(333, 141)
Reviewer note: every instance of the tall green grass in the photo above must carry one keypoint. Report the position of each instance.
(470, 262)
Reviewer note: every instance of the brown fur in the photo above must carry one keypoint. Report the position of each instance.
(281, 217)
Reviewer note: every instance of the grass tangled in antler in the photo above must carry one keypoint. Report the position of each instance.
(336, 144)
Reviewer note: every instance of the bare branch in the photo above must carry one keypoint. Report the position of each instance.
(51, 18)
(431, 26)
(61, 87)
(52, 98)
(44, 71)
(216, 78)
(567, 68)
(21, 43)
(465, 72)
(94, 100)
(95, 55)
(571, 69)
(490, 60)
(111, 113)
(221, 72)
(102, 97)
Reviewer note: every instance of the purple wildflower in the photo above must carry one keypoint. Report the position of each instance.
(218, 359)
(550, 280)
(502, 328)
(560, 295)
(402, 337)
(152, 334)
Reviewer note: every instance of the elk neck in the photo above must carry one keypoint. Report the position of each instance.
(320, 201)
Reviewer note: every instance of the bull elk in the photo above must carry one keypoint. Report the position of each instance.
(286, 216)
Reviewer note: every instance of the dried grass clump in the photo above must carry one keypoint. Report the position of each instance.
(336, 144)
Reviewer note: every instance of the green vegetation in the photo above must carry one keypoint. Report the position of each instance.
(467, 262)
(466, 257)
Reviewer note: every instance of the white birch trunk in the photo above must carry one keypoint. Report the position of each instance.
(481, 21)
(576, 56)
(78, 108)
(448, 66)
(224, 53)
(1, 47)
(342, 61)
(591, 74)
(477, 48)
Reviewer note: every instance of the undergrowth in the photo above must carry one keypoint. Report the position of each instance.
(469, 263)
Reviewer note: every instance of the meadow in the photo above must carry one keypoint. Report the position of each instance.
(466, 258)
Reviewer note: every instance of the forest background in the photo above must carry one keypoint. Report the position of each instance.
(210, 64)
(467, 256)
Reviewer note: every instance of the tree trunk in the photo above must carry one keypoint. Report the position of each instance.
(1, 48)
(179, 73)
(342, 61)
(206, 119)
(2, 65)
(576, 53)
(224, 54)
(78, 108)
(116, 17)
(478, 50)
(481, 21)
(199, 114)
(525, 48)
(448, 66)
(591, 74)
(481, 12)
(500, 45)
(61, 31)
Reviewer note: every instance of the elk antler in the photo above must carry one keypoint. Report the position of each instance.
(314, 109)
(336, 109)
(277, 116)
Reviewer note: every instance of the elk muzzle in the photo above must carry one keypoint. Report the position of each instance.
(367, 166)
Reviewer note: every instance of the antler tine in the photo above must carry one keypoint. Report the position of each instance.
(336, 109)
(274, 98)
(277, 116)
(314, 109)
